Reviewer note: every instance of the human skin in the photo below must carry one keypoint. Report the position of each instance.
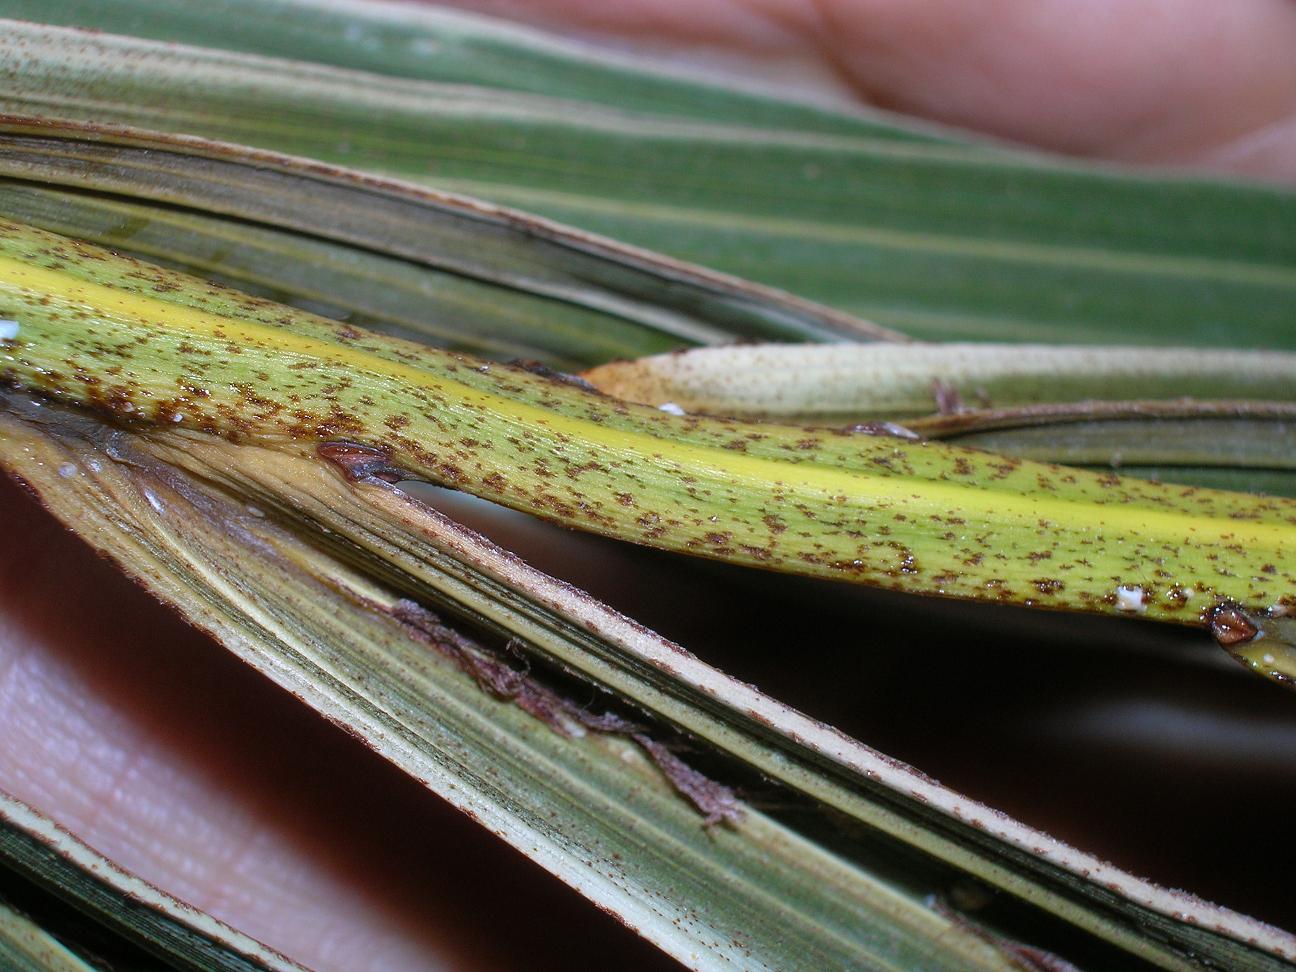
(153, 745)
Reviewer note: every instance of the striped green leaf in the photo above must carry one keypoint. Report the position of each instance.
(935, 239)
(1222, 419)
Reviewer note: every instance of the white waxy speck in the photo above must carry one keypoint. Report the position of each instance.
(670, 408)
(1130, 599)
(257, 512)
(94, 465)
(177, 417)
(1267, 659)
(67, 470)
(8, 329)
(154, 502)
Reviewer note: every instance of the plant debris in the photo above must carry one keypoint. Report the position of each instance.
(717, 802)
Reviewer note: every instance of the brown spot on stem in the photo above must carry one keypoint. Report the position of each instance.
(1230, 626)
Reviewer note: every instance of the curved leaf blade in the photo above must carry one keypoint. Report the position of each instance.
(404, 549)
(589, 808)
(524, 256)
(457, 47)
(938, 240)
(147, 344)
(37, 848)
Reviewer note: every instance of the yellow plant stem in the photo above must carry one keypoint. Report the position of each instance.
(149, 345)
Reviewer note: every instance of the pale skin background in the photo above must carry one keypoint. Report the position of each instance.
(157, 748)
